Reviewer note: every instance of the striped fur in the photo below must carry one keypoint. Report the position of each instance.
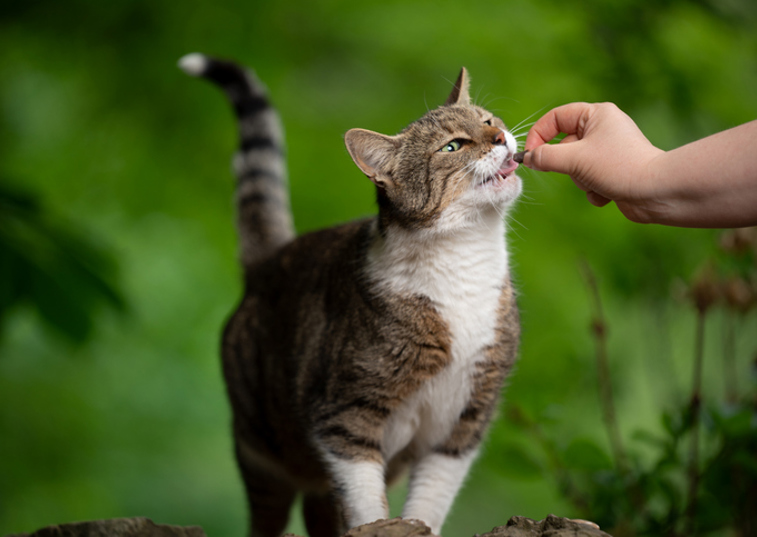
(263, 215)
(362, 350)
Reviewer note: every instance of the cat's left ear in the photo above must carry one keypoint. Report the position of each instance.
(373, 153)
(460, 93)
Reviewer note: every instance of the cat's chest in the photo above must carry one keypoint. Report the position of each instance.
(463, 277)
(464, 280)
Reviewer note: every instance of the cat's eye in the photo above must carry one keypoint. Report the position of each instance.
(454, 145)
(488, 122)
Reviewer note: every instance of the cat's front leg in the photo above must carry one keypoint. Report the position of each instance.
(434, 483)
(349, 441)
(359, 485)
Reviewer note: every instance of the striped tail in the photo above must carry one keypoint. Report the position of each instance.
(264, 217)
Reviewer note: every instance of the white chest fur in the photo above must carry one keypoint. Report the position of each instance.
(463, 275)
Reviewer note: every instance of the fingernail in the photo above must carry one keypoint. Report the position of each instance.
(518, 157)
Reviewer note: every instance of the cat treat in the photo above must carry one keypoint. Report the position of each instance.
(378, 347)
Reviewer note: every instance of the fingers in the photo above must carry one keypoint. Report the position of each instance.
(596, 140)
(553, 158)
(568, 118)
(563, 158)
(596, 199)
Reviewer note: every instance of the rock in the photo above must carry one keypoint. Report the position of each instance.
(395, 527)
(517, 526)
(116, 527)
(552, 526)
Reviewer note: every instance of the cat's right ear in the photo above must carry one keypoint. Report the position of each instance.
(460, 94)
(373, 154)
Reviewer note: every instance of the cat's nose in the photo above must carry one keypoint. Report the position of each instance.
(499, 138)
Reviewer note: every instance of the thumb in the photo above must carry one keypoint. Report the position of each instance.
(562, 158)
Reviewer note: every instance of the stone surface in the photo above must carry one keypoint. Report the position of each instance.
(116, 527)
(517, 526)
(552, 526)
(394, 527)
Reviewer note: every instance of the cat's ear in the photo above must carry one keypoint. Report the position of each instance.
(373, 153)
(460, 93)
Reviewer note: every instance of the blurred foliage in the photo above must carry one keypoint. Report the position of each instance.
(58, 271)
(131, 160)
(674, 489)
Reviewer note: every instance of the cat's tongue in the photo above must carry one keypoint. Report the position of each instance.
(508, 167)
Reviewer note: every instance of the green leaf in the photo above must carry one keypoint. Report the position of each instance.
(745, 459)
(735, 423)
(649, 438)
(49, 264)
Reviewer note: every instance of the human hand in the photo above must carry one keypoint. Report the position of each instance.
(604, 153)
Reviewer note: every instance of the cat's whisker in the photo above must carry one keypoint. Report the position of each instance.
(529, 117)
(498, 98)
(511, 218)
(478, 97)
(498, 208)
(525, 198)
(459, 176)
(517, 131)
(522, 133)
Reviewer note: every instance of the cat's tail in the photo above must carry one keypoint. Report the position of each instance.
(264, 217)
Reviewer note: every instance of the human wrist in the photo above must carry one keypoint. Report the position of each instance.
(648, 199)
(675, 193)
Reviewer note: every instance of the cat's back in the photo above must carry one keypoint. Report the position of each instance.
(311, 260)
(309, 275)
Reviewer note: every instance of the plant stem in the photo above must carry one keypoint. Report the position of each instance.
(599, 330)
(695, 406)
(729, 358)
(564, 480)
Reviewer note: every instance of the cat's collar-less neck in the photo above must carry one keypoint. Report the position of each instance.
(400, 257)
(487, 226)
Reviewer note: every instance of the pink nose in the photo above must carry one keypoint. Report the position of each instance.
(499, 139)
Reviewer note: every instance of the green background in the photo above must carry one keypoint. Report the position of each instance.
(129, 418)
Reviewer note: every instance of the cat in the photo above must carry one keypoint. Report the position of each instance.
(375, 346)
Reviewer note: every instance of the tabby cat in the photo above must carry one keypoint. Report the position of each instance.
(362, 350)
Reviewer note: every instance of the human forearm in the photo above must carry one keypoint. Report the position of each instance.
(708, 183)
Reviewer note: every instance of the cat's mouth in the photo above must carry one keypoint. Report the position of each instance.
(501, 175)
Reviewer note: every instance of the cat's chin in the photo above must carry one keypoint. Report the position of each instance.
(502, 188)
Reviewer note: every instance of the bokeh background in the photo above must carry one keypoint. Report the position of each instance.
(118, 251)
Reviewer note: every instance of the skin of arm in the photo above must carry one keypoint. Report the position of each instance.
(710, 183)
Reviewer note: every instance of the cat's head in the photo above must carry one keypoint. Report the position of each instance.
(445, 170)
